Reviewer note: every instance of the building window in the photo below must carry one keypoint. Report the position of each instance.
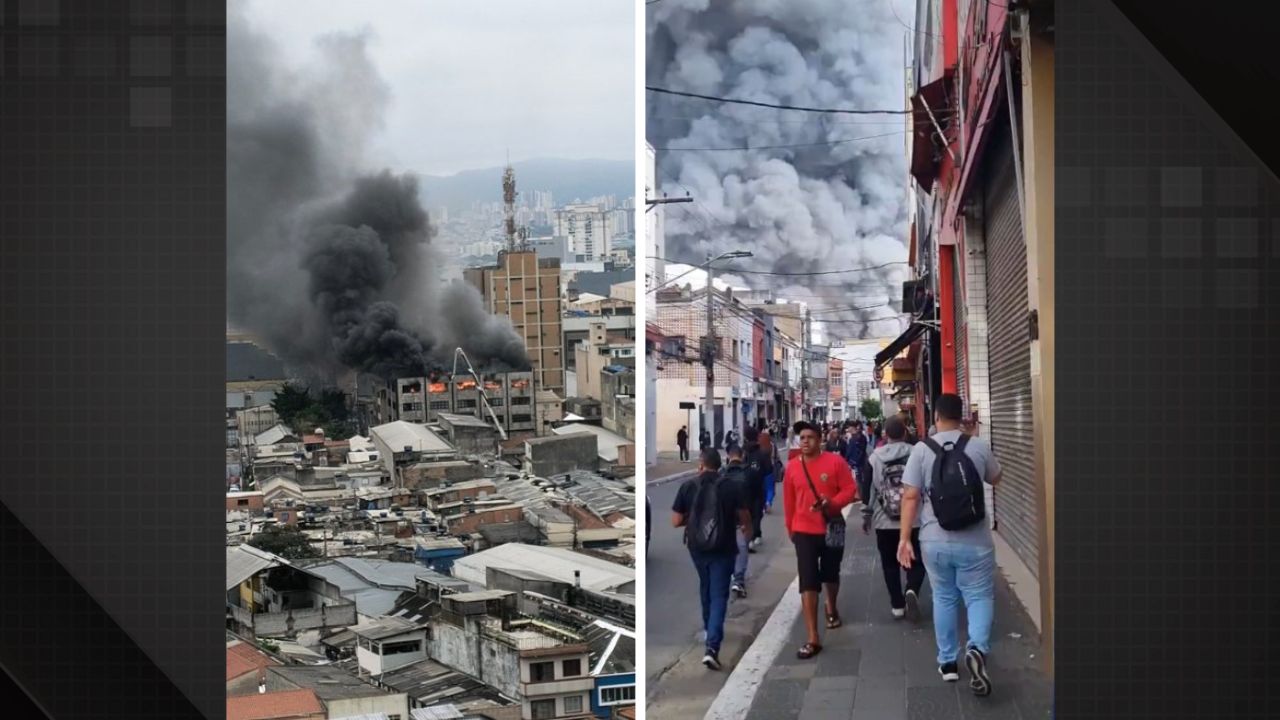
(401, 648)
(572, 704)
(543, 709)
(618, 695)
(572, 668)
(542, 672)
(242, 502)
(439, 404)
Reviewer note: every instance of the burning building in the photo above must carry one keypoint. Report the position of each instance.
(509, 394)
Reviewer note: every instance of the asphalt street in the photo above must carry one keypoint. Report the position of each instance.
(677, 684)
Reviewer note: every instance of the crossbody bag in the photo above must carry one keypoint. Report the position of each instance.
(836, 526)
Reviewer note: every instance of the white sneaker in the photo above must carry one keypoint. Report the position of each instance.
(899, 613)
(711, 661)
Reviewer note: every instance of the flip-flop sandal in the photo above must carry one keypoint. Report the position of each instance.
(808, 650)
(833, 622)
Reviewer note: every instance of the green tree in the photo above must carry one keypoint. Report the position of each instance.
(287, 542)
(289, 402)
(870, 409)
(304, 411)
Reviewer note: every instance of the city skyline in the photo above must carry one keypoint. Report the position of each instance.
(478, 77)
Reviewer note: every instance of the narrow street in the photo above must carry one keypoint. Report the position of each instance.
(678, 686)
(878, 668)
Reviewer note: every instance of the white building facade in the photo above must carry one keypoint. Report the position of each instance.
(588, 230)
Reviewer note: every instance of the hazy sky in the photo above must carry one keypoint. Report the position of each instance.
(472, 79)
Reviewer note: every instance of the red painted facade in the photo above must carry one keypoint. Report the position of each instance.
(972, 69)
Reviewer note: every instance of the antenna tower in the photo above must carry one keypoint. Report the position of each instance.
(509, 204)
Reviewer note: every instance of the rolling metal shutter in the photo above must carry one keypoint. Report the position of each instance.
(960, 323)
(1010, 353)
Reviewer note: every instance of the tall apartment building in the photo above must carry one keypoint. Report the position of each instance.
(527, 290)
(589, 229)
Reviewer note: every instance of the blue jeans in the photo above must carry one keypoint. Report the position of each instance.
(715, 572)
(768, 490)
(740, 561)
(965, 574)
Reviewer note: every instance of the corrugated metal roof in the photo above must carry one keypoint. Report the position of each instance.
(400, 435)
(374, 585)
(244, 561)
(557, 563)
(439, 712)
(607, 442)
(386, 627)
(272, 435)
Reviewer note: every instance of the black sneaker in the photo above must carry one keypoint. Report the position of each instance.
(711, 659)
(739, 589)
(979, 683)
(913, 606)
(950, 672)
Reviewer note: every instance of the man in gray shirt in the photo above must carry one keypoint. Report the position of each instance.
(961, 563)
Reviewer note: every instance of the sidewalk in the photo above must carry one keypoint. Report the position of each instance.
(879, 668)
(667, 467)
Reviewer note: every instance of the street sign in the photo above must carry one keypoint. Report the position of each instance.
(687, 406)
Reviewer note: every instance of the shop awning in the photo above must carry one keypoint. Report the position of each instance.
(899, 344)
(925, 155)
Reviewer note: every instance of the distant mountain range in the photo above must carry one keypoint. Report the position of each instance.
(566, 179)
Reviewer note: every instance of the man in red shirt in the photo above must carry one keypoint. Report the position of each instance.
(816, 487)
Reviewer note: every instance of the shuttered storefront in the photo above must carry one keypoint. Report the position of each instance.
(1009, 350)
(961, 322)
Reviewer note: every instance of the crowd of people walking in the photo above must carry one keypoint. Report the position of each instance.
(923, 499)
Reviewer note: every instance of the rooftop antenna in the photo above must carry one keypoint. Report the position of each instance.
(509, 203)
(459, 353)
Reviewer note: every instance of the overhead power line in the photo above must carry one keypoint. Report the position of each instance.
(790, 274)
(775, 106)
(780, 147)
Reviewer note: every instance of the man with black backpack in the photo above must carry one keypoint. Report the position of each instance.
(711, 511)
(738, 476)
(948, 471)
(759, 465)
(883, 512)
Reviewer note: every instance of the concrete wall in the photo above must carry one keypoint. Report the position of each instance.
(374, 662)
(485, 659)
(281, 624)
(470, 523)
(391, 705)
(560, 454)
(670, 393)
(470, 439)
(429, 475)
(459, 494)
(251, 503)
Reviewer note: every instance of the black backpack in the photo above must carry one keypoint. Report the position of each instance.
(955, 491)
(704, 528)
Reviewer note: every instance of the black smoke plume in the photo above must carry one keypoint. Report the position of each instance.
(330, 265)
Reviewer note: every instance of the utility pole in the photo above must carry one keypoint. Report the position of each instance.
(804, 365)
(709, 359)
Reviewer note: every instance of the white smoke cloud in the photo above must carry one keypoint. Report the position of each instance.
(797, 209)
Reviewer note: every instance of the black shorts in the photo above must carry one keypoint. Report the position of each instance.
(818, 564)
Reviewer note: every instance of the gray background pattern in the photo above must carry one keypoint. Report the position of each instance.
(112, 257)
(1166, 274)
